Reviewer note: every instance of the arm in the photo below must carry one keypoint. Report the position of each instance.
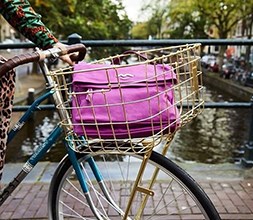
(21, 16)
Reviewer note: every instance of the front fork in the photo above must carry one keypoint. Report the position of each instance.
(80, 176)
(99, 178)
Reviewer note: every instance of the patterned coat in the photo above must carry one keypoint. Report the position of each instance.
(22, 17)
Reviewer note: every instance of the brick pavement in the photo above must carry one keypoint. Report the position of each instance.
(229, 186)
(233, 200)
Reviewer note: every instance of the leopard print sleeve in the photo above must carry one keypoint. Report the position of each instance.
(22, 17)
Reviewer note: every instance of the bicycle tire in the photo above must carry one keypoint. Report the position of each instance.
(172, 183)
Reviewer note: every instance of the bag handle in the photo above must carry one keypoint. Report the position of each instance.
(117, 60)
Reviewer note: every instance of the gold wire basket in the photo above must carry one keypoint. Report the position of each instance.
(180, 64)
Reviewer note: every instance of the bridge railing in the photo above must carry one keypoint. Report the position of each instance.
(247, 154)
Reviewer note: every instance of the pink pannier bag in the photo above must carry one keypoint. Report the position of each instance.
(123, 102)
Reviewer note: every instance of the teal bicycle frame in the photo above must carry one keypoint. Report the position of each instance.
(43, 149)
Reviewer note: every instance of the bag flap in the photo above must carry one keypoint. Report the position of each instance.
(101, 74)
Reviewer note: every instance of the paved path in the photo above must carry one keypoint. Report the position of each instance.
(233, 200)
(232, 194)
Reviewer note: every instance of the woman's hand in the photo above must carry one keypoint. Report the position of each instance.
(64, 58)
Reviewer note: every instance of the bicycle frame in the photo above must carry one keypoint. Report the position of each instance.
(37, 155)
(43, 149)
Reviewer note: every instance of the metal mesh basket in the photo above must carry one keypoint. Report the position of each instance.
(187, 103)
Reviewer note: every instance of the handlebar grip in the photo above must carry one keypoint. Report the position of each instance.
(74, 48)
(38, 55)
(18, 60)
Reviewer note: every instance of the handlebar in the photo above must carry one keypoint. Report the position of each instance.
(41, 55)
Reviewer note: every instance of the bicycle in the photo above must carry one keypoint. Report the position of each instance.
(117, 178)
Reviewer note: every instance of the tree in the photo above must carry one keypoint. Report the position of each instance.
(185, 21)
(224, 15)
(140, 31)
(92, 19)
(197, 15)
(157, 21)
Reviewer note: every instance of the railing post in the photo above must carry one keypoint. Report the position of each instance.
(74, 38)
(30, 96)
(247, 159)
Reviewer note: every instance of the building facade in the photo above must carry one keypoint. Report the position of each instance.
(6, 31)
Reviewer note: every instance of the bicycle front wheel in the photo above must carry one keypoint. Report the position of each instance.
(173, 194)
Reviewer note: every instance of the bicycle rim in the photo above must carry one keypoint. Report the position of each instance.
(176, 194)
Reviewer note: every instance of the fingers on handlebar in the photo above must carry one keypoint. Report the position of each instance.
(80, 48)
(72, 54)
(69, 54)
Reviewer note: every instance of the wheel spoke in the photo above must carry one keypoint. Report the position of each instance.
(173, 193)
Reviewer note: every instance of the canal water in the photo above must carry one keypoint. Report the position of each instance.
(215, 135)
(210, 138)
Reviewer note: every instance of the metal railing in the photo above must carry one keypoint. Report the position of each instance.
(136, 43)
(247, 158)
